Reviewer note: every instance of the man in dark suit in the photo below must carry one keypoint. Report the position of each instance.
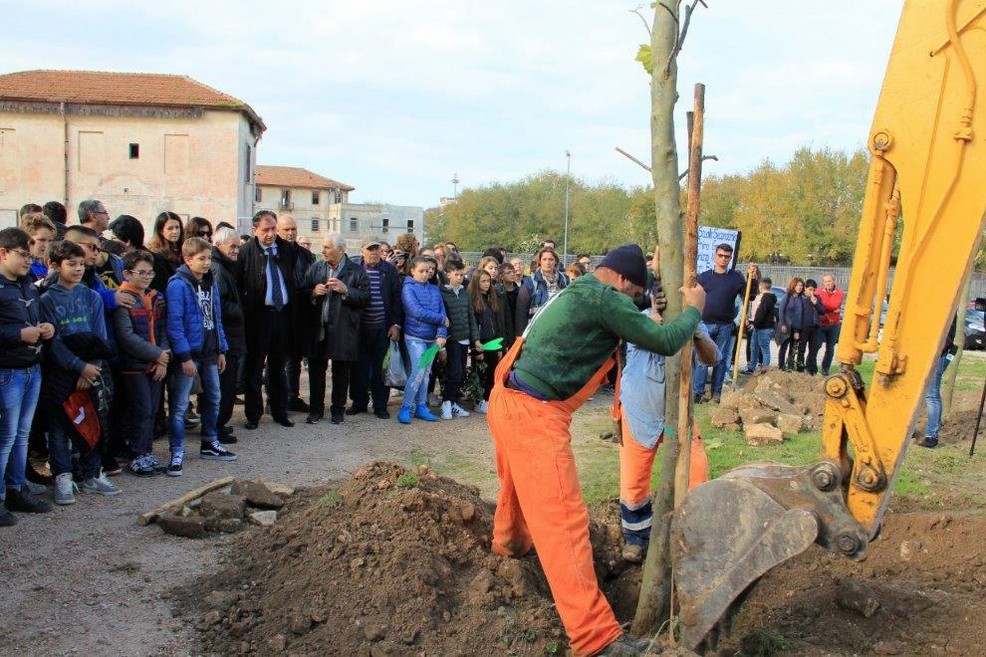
(266, 279)
(287, 230)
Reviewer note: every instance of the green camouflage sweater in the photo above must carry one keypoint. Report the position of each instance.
(579, 329)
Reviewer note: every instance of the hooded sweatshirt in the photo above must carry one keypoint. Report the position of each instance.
(79, 310)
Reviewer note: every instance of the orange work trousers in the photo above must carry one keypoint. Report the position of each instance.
(637, 464)
(541, 506)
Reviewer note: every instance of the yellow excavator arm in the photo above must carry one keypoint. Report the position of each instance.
(928, 145)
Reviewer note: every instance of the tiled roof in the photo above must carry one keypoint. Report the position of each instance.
(296, 177)
(104, 88)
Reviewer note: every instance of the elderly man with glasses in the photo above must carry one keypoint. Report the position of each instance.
(722, 286)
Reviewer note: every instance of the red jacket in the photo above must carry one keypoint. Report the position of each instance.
(831, 303)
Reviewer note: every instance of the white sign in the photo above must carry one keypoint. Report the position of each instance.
(709, 237)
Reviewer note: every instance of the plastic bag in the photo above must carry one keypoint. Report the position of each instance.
(395, 373)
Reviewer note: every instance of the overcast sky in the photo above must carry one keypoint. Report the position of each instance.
(395, 97)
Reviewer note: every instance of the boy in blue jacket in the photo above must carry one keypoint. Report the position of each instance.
(21, 336)
(76, 362)
(195, 330)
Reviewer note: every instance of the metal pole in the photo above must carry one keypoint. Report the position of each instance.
(568, 171)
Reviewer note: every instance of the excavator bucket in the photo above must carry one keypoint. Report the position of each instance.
(715, 561)
(730, 531)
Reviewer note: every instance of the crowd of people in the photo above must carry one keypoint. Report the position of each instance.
(140, 337)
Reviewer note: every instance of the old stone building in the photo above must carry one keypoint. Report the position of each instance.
(141, 143)
(320, 204)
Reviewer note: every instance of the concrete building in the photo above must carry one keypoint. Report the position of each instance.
(141, 143)
(320, 205)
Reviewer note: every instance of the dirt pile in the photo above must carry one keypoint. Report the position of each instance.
(392, 563)
(771, 406)
(919, 592)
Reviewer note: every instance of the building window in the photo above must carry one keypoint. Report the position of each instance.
(285, 199)
(259, 196)
(315, 197)
(134, 151)
(353, 224)
(247, 163)
(410, 225)
(314, 224)
(338, 196)
(384, 225)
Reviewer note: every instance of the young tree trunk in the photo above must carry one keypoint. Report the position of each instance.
(655, 589)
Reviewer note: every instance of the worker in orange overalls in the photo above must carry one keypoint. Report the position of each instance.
(638, 405)
(548, 373)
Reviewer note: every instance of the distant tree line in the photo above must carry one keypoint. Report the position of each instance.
(805, 212)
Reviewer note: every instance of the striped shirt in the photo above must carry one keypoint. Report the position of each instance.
(373, 314)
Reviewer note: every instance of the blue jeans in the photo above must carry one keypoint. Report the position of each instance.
(933, 398)
(720, 334)
(19, 390)
(208, 405)
(760, 348)
(416, 389)
(829, 336)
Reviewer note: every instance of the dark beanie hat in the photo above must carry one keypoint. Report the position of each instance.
(811, 283)
(628, 261)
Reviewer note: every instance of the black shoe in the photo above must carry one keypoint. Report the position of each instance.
(22, 500)
(338, 418)
(698, 398)
(250, 425)
(110, 467)
(7, 519)
(37, 477)
(313, 418)
(285, 422)
(352, 410)
(930, 442)
(298, 405)
(224, 430)
(383, 415)
(227, 439)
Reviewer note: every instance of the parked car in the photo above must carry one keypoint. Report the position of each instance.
(974, 330)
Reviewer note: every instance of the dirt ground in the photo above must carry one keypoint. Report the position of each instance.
(383, 560)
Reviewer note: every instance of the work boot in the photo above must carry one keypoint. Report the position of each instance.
(625, 647)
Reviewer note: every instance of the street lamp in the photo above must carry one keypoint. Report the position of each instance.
(568, 177)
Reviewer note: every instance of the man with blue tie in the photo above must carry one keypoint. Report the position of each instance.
(265, 275)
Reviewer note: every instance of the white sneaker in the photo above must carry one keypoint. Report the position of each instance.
(100, 486)
(458, 411)
(447, 410)
(482, 407)
(65, 489)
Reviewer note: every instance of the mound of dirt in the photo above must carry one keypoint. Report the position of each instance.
(919, 592)
(392, 563)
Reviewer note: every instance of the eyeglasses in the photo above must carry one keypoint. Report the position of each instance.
(724, 255)
(23, 254)
(204, 233)
(92, 246)
(146, 273)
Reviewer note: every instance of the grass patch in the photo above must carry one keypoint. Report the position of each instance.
(330, 500)
(407, 480)
(910, 484)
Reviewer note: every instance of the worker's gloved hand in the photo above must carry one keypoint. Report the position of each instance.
(659, 300)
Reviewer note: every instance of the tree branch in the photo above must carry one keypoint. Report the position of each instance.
(642, 19)
(704, 158)
(681, 36)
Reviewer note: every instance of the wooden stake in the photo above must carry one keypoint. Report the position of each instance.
(685, 408)
(177, 503)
